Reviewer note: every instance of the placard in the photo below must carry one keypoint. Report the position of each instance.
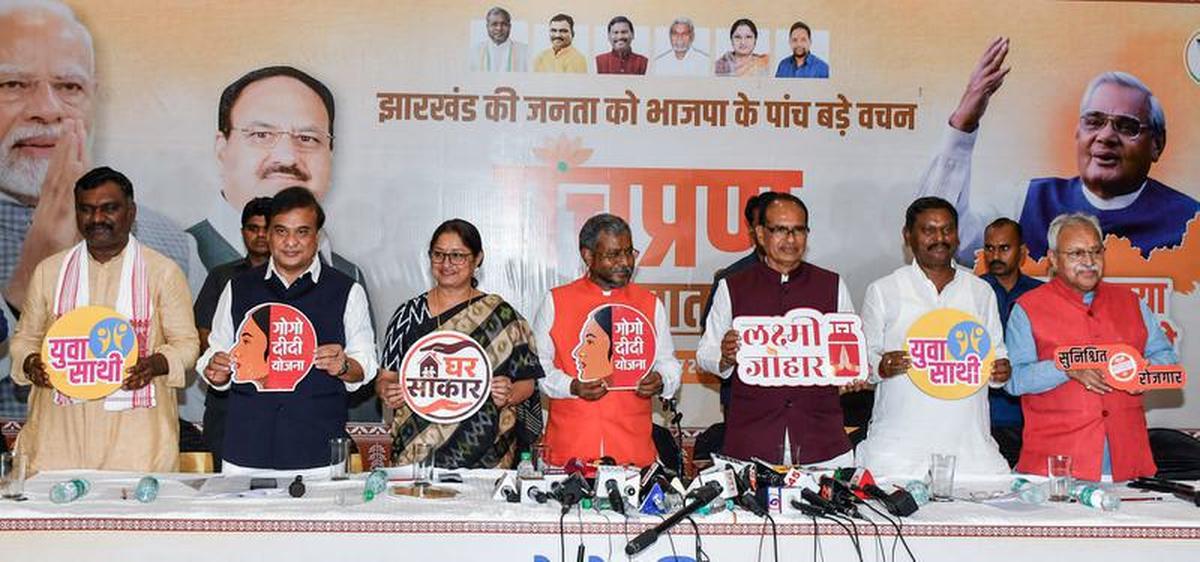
(276, 347)
(1123, 366)
(87, 350)
(951, 353)
(801, 348)
(616, 343)
(446, 377)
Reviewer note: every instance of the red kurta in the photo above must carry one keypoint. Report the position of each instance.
(621, 419)
(1069, 420)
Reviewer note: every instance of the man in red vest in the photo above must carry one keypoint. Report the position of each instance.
(1076, 412)
(575, 330)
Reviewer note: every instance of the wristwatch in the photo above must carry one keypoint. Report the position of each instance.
(345, 368)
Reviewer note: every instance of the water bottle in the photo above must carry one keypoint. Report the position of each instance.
(1029, 492)
(146, 490)
(69, 491)
(525, 468)
(919, 491)
(1095, 496)
(376, 484)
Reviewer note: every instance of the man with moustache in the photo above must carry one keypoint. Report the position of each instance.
(135, 428)
(1004, 251)
(1121, 133)
(908, 425)
(47, 87)
(586, 420)
(561, 56)
(288, 433)
(683, 58)
(258, 251)
(1076, 412)
(759, 417)
(499, 53)
(802, 63)
(622, 59)
(274, 130)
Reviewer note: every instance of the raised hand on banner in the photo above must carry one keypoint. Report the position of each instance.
(53, 223)
(144, 371)
(987, 77)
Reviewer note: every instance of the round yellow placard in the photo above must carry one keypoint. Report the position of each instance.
(951, 353)
(87, 350)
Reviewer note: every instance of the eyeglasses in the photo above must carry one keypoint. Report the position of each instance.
(614, 255)
(780, 231)
(1128, 127)
(1079, 255)
(456, 258)
(305, 141)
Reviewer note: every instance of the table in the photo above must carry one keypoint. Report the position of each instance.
(183, 526)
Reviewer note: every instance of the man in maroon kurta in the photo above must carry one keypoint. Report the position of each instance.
(622, 59)
(759, 417)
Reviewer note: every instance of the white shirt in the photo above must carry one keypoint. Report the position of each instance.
(557, 383)
(949, 176)
(694, 63)
(356, 320)
(720, 320)
(908, 425)
(490, 57)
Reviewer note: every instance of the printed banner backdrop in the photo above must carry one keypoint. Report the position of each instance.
(678, 162)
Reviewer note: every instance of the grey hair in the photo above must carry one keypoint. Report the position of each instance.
(684, 21)
(56, 8)
(498, 10)
(1158, 119)
(603, 222)
(1071, 219)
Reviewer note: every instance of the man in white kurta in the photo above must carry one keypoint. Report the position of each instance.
(908, 425)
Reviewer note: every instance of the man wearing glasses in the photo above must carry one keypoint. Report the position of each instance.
(586, 420)
(758, 417)
(274, 130)
(1121, 133)
(1075, 412)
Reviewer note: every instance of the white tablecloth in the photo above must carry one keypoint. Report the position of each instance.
(182, 525)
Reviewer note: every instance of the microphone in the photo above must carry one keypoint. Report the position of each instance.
(809, 509)
(840, 495)
(746, 498)
(816, 500)
(536, 494)
(615, 499)
(703, 496)
(570, 491)
(899, 503)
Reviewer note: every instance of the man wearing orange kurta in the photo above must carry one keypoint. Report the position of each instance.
(587, 420)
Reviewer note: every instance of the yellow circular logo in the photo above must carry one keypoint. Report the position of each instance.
(87, 350)
(951, 353)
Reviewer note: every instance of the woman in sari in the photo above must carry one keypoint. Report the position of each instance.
(742, 60)
(511, 420)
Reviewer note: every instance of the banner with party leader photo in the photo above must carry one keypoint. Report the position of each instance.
(527, 117)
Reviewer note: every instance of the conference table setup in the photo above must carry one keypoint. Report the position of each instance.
(201, 516)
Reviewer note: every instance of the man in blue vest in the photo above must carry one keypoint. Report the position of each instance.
(1003, 251)
(1120, 134)
(269, 428)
